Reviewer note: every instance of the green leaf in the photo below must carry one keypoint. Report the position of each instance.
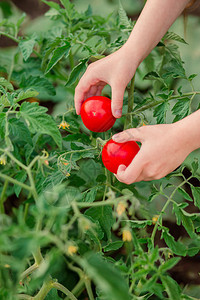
(19, 132)
(6, 84)
(181, 109)
(175, 37)
(52, 4)
(169, 264)
(103, 214)
(38, 121)
(160, 112)
(176, 247)
(26, 47)
(26, 94)
(21, 177)
(52, 295)
(106, 277)
(123, 19)
(196, 195)
(2, 124)
(139, 223)
(90, 196)
(185, 195)
(58, 53)
(187, 223)
(38, 83)
(80, 68)
(113, 246)
(21, 19)
(171, 287)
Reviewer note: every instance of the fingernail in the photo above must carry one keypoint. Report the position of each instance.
(118, 113)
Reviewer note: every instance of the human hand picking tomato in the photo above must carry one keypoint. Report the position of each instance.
(115, 70)
(164, 148)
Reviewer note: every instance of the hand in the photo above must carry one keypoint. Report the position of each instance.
(115, 70)
(163, 149)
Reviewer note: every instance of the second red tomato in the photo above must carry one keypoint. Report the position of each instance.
(115, 154)
(96, 114)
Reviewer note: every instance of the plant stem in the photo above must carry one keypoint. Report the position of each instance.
(28, 271)
(152, 104)
(45, 289)
(63, 289)
(89, 289)
(38, 256)
(3, 194)
(165, 206)
(128, 120)
(14, 181)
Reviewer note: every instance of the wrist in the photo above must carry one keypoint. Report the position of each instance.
(188, 131)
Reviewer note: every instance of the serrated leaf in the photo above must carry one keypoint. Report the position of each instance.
(52, 4)
(21, 177)
(106, 277)
(58, 54)
(104, 215)
(187, 223)
(175, 37)
(123, 18)
(80, 68)
(38, 83)
(181, 109)
(26, 94)
(169, 264)
(38, 121)
(21, 19)
(160, 112)
(113, 246)
(19, 132)
(171, 287)
(89, 196)
(176, 247)
(196, 195)
(6, 84)
(184, 194)
(26, 47)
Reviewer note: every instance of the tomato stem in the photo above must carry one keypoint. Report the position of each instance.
(128, 120)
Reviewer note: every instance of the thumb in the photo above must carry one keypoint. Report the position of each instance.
(117, 100)
(132, 134)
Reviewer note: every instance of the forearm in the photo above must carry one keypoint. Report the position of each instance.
(189, 130)
(155, 19)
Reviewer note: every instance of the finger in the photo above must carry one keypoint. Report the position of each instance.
(133, 171)
(117, 100)
(86, 82)
(132, 134)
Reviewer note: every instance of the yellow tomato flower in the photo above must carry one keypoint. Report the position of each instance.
(126, 235)
(121, 207)
(2, 160)
(71, 250)
(155, 219)
(63, 125)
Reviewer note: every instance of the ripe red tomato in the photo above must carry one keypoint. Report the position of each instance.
(96, 114)
(115, 154)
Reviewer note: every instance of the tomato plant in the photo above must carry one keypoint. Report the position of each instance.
(96, 114)
(115, 154)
